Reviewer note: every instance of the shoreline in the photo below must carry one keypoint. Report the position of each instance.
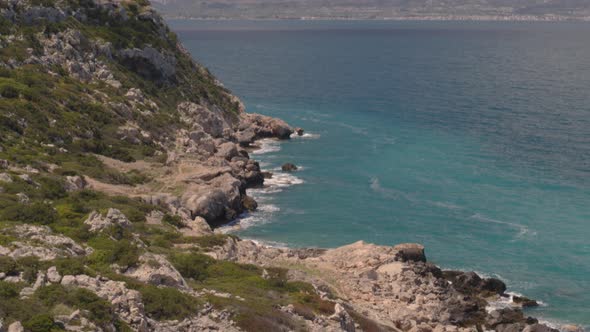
(505, 301)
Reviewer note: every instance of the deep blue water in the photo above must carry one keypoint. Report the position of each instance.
(471, 138)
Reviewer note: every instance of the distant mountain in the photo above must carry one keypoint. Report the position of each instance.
(378, 9)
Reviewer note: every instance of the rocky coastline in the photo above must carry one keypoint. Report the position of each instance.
(120, 155)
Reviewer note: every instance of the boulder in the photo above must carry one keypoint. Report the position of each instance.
(154, 218)
(249, 203)
(504, 316)
(410, 252)
(524, 301)
(209, 204)
(299, 131)
(471, 282)
(16, 327)
(196, 227)
(156, 270)
(4, 164)
(53, 275)
(75, 183)
(227, 151)
(539, 328)
(288, 167)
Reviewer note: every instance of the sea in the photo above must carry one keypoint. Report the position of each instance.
(472, 138)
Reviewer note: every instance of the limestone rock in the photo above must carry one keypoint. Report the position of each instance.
(264, 126)
(196, 227)
(16, 327)
(40, 242)
(149, 63)
(157, 270)
(5, 177)
(75, 183)
(227, 151)
(53, 275)
(113, 217)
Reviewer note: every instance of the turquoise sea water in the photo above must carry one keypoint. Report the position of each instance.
(471, 138)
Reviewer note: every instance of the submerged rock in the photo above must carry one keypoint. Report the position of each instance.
(288, 167)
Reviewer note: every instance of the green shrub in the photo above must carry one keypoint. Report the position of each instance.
(9, 290)
(9, 91)
(175, 220)
(100, 310)
(52, 188)
(192, 265)
(7, 265)
(35, 213)
(207, 241)
(168, 303)
(39, 323)
(29, 265)
(122, 252)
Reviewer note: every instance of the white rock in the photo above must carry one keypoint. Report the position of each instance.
(16, 327)
(53, 275)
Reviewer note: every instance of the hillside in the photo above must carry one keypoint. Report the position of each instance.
(378, 9)
(119, 155)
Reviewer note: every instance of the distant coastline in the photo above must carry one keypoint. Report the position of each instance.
(467, 18)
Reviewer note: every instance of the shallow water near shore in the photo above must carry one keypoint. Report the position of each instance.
(471, 138)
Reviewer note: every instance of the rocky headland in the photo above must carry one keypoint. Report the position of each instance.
(119, 155)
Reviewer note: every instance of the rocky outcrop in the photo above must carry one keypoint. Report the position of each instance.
(75, 183)
(156, 270)
(114, 217)
(471, 283)
(149, 63)
(126, 302)
(40, 242)
(256, 126)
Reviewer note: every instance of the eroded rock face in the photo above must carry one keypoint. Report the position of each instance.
(149, 63)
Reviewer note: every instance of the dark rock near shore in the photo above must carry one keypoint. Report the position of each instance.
(288, 167)
(410, 252)
(299, 131)
(504, 316)
(471, 283)
(524, 301)
(249, 203)
(267, 175)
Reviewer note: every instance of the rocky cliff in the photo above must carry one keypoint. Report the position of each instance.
(119, 153)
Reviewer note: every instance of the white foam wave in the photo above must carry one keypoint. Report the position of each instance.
(282, 180)
(267, 145)
(522, 229)
(306, 136)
